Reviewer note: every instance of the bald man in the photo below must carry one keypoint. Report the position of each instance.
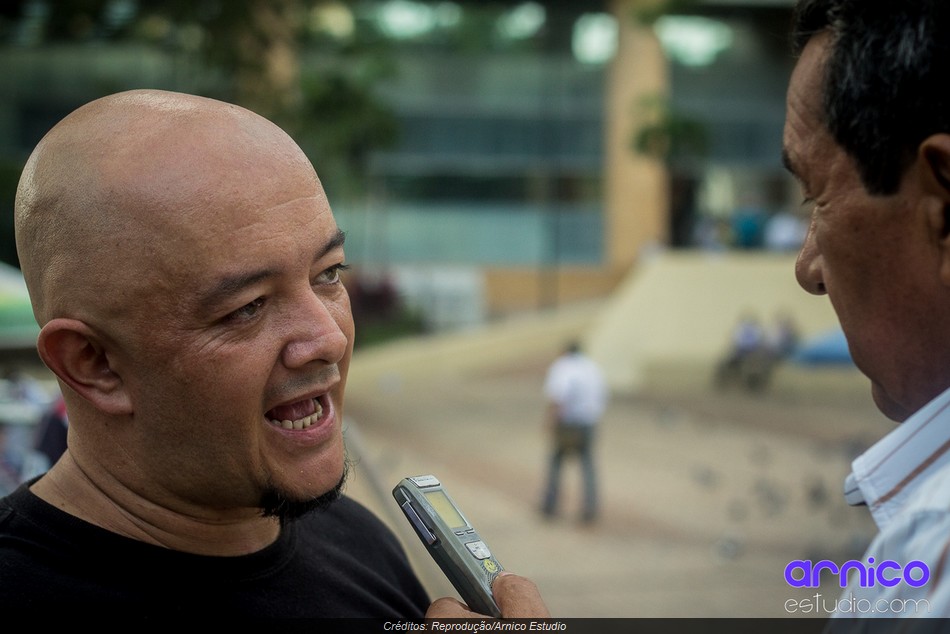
(184, 266)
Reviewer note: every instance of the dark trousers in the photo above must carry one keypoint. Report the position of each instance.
(572, 440)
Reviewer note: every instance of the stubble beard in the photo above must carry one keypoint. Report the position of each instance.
(277, 503)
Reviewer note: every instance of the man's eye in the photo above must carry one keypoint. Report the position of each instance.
(247, 311)
(331, 275)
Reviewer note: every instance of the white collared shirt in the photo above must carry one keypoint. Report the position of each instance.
(885, 475)
(905, 481)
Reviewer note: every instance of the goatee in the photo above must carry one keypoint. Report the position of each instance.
(276, 503)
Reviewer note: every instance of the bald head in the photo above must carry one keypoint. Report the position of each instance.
(184, 264)
(113, 189)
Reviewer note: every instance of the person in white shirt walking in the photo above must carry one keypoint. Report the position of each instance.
(577, 397)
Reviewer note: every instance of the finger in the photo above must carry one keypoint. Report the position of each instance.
(449, 608)
(518, 597)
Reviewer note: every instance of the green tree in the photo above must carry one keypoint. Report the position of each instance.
(308, 65)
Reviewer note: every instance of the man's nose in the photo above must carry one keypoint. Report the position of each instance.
(316, 331)
(808, 266)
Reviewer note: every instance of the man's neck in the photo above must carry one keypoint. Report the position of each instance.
(118, 509)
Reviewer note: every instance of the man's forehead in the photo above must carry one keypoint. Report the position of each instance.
(190, 181)
(228, 223)
(804, 118)
(220, 284)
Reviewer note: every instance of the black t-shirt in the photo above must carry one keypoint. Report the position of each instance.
(340, 562)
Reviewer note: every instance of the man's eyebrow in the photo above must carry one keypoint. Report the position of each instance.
(335, 242)
(230, 285)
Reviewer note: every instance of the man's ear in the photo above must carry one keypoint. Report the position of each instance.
(935, 152)
(74, 352)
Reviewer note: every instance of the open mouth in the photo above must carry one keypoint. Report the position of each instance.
(299, 415)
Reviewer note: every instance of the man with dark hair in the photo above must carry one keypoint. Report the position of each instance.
(867, 135)
(184, 266)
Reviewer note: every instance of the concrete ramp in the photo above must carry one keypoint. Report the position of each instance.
(682, 307)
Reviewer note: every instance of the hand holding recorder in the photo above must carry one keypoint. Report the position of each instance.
(464, 558)
(515, 596)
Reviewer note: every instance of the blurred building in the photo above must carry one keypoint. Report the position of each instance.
(543, 147)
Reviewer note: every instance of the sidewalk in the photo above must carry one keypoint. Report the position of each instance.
(706, 497)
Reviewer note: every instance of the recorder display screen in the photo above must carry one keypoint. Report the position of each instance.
(446, 510)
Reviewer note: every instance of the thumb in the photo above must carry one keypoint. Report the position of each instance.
(518, 597)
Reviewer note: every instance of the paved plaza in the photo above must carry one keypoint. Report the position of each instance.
(707, 495)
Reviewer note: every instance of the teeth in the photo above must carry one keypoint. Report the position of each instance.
(301, 423)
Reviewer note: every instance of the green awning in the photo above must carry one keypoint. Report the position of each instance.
(18, 327)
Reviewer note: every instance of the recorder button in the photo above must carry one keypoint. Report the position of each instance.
(479, 549)
(425, 481)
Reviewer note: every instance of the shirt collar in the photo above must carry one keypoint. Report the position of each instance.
(885, 475)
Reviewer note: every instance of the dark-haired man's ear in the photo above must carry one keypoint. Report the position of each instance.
(73, 351)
